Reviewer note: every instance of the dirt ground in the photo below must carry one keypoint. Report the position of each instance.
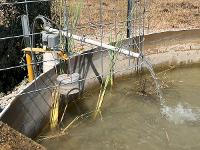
(173, 15)
(161, 15)
(13, 140)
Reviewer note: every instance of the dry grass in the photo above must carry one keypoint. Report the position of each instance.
(161, 15)
(55, 108)
(113, 11)
(173, 14)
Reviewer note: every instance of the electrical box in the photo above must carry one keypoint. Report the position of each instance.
(51, 40)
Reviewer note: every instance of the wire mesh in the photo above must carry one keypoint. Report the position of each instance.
(103, 21)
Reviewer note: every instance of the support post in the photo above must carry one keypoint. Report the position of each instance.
(29, 66)
(129, 18)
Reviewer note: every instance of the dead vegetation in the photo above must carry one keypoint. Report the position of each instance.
(162, 15)
(173, 14)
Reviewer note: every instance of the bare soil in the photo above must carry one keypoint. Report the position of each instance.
(173, 15)
(161, 14)
(13, 140)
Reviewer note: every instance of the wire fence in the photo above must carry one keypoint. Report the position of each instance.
(105, 22)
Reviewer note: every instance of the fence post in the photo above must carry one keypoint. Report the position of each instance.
(129, 18)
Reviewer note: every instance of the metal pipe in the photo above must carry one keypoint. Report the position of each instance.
(29, 66)
(107, 46)
(92, 42)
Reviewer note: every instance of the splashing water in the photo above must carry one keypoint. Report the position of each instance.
(178, 114)
(153, 75)
(181, 114)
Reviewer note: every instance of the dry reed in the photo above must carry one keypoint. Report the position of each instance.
(54, 108)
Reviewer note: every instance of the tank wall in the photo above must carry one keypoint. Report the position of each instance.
(29, 111)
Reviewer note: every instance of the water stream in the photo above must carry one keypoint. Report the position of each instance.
(153, 75)
(178, 113)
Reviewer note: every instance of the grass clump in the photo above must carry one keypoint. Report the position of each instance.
(109, 78)
(54, 114)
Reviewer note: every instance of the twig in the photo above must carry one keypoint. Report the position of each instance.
(75, 119)
(50, 137)
(167, 136)
(63, 113)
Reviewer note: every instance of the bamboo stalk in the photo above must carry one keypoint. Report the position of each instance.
(109, 78)
(54, 109)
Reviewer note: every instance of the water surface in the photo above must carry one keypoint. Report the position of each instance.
(131, 120)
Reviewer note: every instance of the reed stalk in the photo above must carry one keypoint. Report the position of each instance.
(109, 79)
(75, 13)
(64, 130)
(54, 109)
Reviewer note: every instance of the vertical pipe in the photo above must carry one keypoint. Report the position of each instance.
(26, 31)
(129, 10)
(29, 66)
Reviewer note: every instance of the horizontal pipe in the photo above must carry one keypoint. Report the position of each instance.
(107, 46)
(92, 42)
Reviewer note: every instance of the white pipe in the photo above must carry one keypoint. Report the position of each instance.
(110, 47)
(50, 60)
(96, 43)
